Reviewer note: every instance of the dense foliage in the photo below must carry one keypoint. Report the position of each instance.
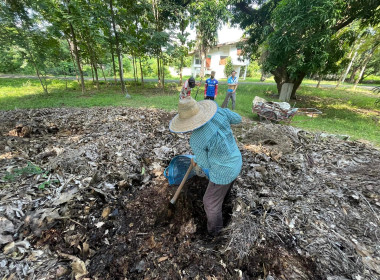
(301, 37)
(290, 38)
(93, 37)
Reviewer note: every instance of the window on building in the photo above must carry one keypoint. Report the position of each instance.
(197, 60)
(223, 60)
(208, 61)
(238, 51)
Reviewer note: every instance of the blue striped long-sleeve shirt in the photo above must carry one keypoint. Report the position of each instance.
(215, 148)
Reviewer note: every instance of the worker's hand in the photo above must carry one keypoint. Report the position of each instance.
(198, 170)
(197, 84)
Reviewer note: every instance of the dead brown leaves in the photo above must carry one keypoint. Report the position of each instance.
(309, 198)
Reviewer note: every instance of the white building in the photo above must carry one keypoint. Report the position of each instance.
(216, 60)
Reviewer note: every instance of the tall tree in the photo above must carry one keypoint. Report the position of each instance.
(65, 18)
(207, 17)
(118, 49)
(301, 36)
(163, 17)
(69, 16)
(366, 48)
(373, 67)
(20, 24)
(368, 55)
(182, 49)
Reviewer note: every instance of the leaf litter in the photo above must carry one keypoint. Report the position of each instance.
(81, 189)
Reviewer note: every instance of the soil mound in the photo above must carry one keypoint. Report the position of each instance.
(82, 192)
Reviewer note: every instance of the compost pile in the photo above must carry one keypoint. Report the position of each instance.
(83, 194)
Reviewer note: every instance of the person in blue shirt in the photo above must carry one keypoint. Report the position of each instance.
(211, 87)
(215, 149)
(231, 91)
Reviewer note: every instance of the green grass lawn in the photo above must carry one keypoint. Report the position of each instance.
(314, 82)
(345, 111)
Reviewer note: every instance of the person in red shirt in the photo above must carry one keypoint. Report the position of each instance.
(186, 89)
(187, 86)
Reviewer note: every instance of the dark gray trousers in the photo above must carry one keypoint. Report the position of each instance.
(227, 100)
(213, 202)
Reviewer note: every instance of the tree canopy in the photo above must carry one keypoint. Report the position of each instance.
(77, 34)
(293, 38)
(301, 37)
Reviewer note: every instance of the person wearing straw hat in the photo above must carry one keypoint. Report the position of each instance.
(215, 149)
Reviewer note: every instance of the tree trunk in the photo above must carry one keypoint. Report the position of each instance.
(183, 41)
(163, 74)
(368, 58)
(363, 69)
(141, 72)
(134, 69)
(113, 65)
(262, 78)
(353, 74)
(297, 82)
(72, 58)
(137, 70)
(158, 29)
(158, 71)
(319, 80)
(96, 75)
(39, 77)
(123, 89)
(92, 72)
(180, 71)
(281, 76)
(36, 68)
(45, 82)
(121, 72)
(76, 52)
(203, 63)
(65, 77)
(94, 63)
(104, 76)
(347, 70)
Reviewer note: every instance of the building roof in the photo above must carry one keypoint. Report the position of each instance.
(222, 45)
(228, 43)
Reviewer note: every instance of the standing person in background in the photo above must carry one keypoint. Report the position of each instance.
(187, 86)
(231, 92)
(211, 87)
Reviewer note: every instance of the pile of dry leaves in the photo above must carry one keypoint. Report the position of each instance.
(82, 195)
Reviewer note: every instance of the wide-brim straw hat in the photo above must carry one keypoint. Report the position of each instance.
(192, 115)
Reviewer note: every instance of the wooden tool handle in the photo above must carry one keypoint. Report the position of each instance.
(173, 200)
